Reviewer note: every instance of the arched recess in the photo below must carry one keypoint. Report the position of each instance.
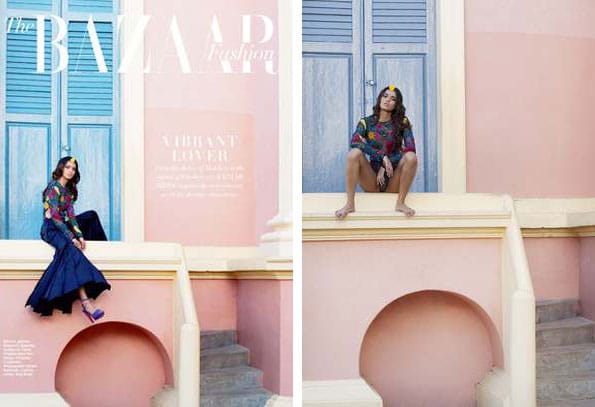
(112, 364)
(429, 348)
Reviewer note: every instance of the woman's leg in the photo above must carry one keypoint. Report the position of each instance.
(357, 170)
(401, 182)
(91, 226)
(85, 300)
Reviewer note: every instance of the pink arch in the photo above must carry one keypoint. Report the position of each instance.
(495, 342)
(138, 348)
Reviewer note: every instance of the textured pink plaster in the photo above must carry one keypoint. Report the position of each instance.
(216, 303)
(147, 304)
(529, 105)
(208, 102)
(346, 284)
(573, 18)
(587, 276)
(264, 327)
(427, 349)
(103, 363)
(554, 267)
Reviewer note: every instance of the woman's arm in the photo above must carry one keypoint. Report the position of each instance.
(409, 145)
(51, 206)
(409, 141)
(360, 140)
(72, 220)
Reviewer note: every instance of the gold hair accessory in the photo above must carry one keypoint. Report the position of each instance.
(72, 160)
(391, 87)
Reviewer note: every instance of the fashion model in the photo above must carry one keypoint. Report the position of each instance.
(70, 275)
(387, 139)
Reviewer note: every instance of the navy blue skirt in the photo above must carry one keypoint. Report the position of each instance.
(70, 269)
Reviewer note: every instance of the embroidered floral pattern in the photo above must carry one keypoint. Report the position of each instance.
(57, 204)
(378, 140)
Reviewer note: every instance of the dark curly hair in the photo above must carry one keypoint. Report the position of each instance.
(397, 117)
(70, 185)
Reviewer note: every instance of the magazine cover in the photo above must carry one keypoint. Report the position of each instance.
(145, 216)
(448, 222)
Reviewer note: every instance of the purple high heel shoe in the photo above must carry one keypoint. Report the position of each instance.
(97, 314)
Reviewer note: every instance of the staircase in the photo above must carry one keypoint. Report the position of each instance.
(565, 355)
(226, 380)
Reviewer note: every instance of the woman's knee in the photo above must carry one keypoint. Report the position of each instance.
(354, 154)
(410, 158)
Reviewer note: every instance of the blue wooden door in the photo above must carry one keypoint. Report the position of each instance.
(391, 42)
(47, 116)
(332, 95)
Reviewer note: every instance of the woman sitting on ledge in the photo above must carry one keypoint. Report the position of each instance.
(70, 275)
(386, 137)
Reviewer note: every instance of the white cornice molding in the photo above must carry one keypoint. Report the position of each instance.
(444, 216)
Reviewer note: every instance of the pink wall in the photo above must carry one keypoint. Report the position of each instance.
(146, 304)
(101, 364)
(427, 349)
(349, 283)
(265, 327)
(528, 73)
(587, 276)
(554, 267)
(216, 303)
(218, 202)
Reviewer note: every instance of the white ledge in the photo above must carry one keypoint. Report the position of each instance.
(438, 210)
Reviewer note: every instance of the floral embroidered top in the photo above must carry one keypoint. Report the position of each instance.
(379, 139)
(57, 206)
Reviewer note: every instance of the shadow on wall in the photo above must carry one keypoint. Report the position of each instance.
(112, 364)
(429, 348)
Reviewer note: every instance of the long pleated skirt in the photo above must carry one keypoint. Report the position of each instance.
(69, 270)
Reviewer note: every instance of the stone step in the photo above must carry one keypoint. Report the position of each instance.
(566, 388)
(230, 379)
(553, 310)
(569, 331)
(567, 403)
(565, 360)
(217, 339)
(226, 356)
(252, 397)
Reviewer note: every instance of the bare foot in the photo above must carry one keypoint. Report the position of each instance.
(401, 207)
(344, 211)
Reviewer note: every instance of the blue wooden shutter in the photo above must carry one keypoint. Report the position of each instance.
(400, 49)
(331, 93)
(28, 135)
(30, 4)
(327, 21)
(95, 6)
(91, 122)
(27, 91)
(399, 21)
(90, 92)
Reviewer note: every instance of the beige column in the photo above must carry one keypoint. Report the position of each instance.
(277, 244)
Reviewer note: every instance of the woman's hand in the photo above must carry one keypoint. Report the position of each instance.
(388, 165)
(380, 178)
(77, 244)
(83, 243)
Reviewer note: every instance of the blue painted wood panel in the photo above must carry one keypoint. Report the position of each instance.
(27, 91)
(26, 174)
(327, 105)
(92, 147)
